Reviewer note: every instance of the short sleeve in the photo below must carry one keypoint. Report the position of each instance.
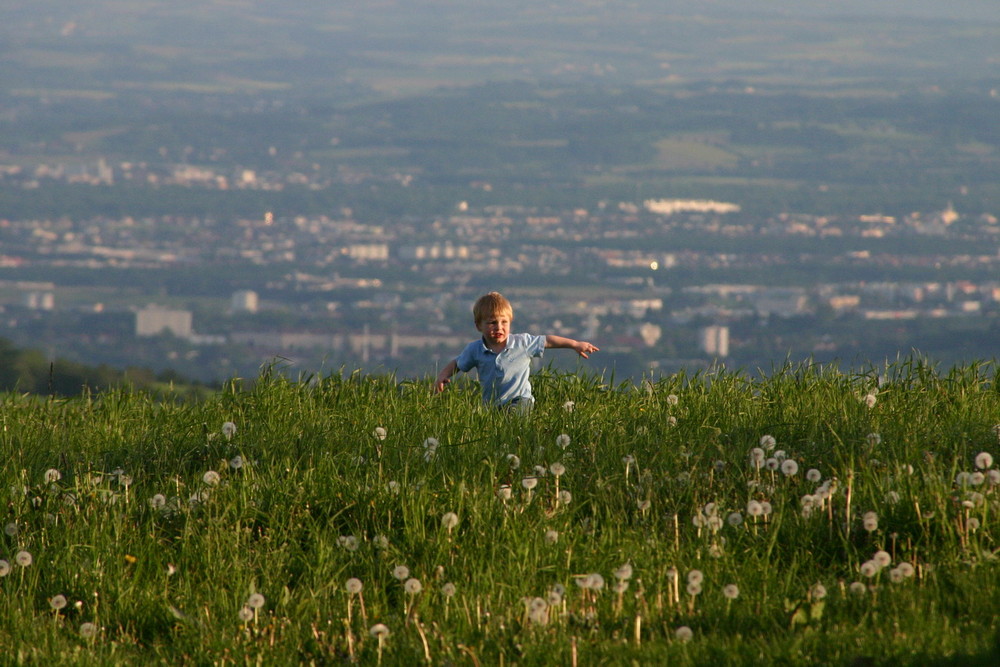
(466, 360)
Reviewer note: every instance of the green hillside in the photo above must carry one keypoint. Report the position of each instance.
(810, 517)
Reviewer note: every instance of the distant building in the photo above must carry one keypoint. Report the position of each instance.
(154, 320)
(714, 340)
(671, 206)
(244, 301)
(40, 300)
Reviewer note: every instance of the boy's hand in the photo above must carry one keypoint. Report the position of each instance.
(585, 349)
(440, 384)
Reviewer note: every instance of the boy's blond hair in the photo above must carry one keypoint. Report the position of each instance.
(491, 305)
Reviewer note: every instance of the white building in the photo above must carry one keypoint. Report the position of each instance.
(244, 301)
(154, 320)
(714, 340)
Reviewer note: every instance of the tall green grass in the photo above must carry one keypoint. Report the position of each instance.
(226, 530)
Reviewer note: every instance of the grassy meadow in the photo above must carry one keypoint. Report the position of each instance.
(813, 516)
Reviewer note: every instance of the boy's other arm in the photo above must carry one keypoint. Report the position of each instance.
(444, 377)
(583, 348)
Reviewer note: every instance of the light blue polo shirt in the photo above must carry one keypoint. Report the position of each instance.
(504, 376)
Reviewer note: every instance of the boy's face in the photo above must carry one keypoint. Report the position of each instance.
(495, 328)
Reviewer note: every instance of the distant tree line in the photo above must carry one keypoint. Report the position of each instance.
(29, 371)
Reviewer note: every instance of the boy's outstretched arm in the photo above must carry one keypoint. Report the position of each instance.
(444, 377)
(583, 348)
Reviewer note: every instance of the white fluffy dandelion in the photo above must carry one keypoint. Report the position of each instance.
(236, 462)
(57, 602)
(731, 591)
(380, 433)
(857, 588)
(514, 461)
(984, 460)
(565, 497)
(401, 572)
(789, 467)
(529, 483)
(557, 469)
(754, 508)
(814, 475)
(562, 441)
(624, 572)
(683, 634)
(52, 476)
(734, 519)
(353, 585)
(256, 601)
(88, 630)
(228, 430)
(448, 590)
(412, 586)
(768, 442)
(695, 577)
(211, 478)
(757, 457)
(882, 558)
(569, 406)
(551, 536)
(4, 568)
(672, 399)
(818, 591)
(449, 520)
(245, 614)
(23, 558)
(504, 492)
(870, 521)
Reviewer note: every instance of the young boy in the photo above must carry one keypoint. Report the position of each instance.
(504, 359)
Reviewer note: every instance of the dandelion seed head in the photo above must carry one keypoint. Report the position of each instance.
(768, 442)
(984, 460)
(870, 400)
(814, 475)
(757, 457)
(514, 461)
(789, 467)
(349, 542)
(504, 492)
(541, 471)
(643, 504)
(906, 569)
(380, 433)
(379, 631)
(882, 558)
(620, 586)
(529, 483)
(412, 586)
(671, 421)
(10, 529)
(557, 469)
(256, 601)
(693, 588)
(562, 440)
(695, 577)
(976, 478)
(870, 521)
(4, 568)
(381, 542)
(449, 520)
(211, 478)
(683, 634)
(52, 476)
(818, 591)
(766, 508)
(972, 524)
(245, 614)
(895, 576)
(569, 406)
(23, 558)
(448, 590)
(431, 444)
(624, 572)
(228, 430)
(870, 568)
(551, 536)
(754, 508)
(57, 602)
(731, 591)
(236, 462)
(772, 464)
(734, 519)
(857, 588)
(401, 572)
(88, 630)
(874, 439)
